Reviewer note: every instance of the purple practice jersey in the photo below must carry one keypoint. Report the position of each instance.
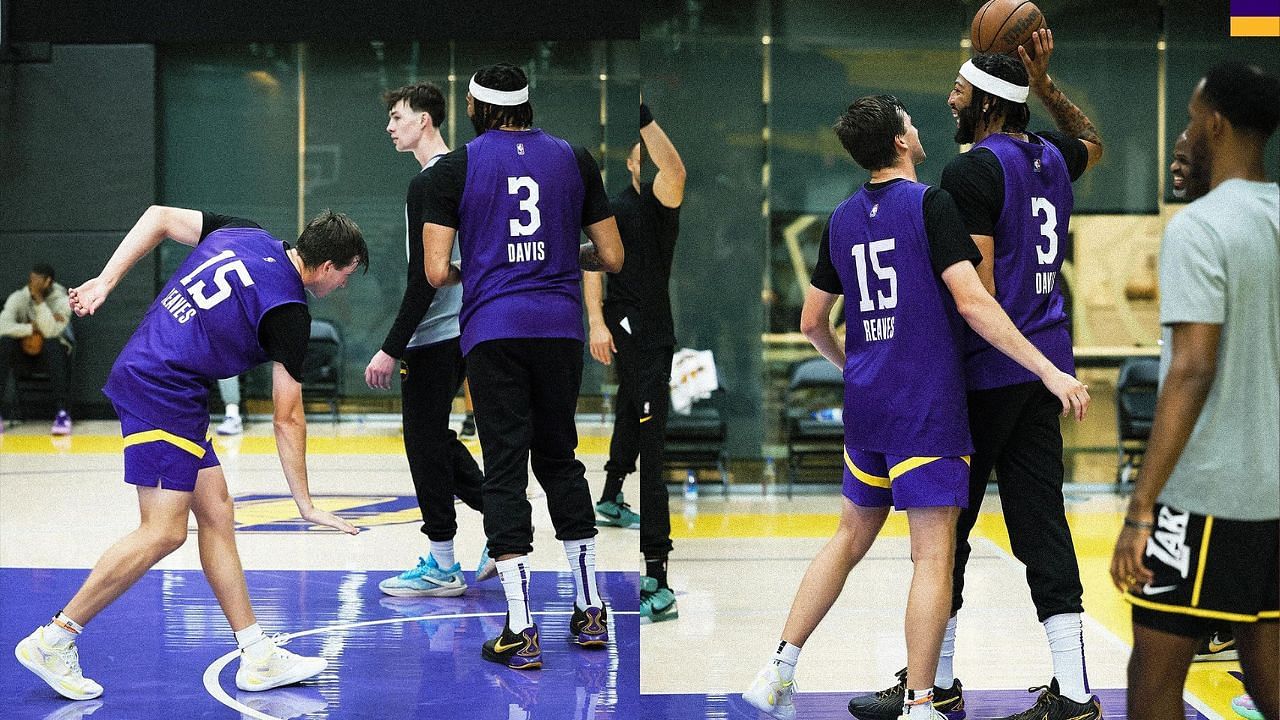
(520, 220)
(904, 388)
(203, 326)
(1029, 239)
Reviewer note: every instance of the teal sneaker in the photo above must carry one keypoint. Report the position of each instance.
(656, 604)
(428, 579)
(617, 513)
(488, 567)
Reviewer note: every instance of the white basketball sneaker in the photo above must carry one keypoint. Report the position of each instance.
(263, 671)
(771, 694)
(56, 664)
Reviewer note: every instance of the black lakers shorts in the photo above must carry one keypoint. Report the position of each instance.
(1208, 571)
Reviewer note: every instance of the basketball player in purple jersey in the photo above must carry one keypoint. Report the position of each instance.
(518, 198)
(238, 300)
(1013, 189)
(898, 253)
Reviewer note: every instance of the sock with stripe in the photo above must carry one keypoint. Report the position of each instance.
(946, 674)
(582, 564)
(1066, 644)
(443, 553)
(514, 574)
(656, 568)
(62, 630)
(785, 658)
(919, 704)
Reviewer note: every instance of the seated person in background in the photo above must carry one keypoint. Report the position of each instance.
(35, 331)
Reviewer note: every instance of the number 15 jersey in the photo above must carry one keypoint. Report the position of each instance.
(904, 388)
(202, 327)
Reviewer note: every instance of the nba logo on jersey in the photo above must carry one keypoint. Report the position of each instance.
(1035, 165)
(519, 148)
(875, 209)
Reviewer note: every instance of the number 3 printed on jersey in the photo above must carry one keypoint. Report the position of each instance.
(197, 289)
(1048, 228)
(528, 204)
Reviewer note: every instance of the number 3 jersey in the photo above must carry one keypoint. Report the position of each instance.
(1030, 239)
(519, 200)
(202, 327)
(903, 376)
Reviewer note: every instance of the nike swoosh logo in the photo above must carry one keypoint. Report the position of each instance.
(499, 647)
(1215, 646)
(1085, 716)
(1149, 589)
(646, 418)
(945, 703)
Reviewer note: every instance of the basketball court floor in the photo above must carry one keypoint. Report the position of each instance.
(738, 562)
(165, 651)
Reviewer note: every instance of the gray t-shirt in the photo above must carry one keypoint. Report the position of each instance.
(1220, 264)
(441, 321)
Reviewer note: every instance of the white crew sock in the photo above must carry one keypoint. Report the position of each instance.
(251, 641)
(443, 553)
(946, 675)
(232, 411)
(1066, 644)
(919, 704)
(514, 574)
(62, 630)
(786, 657)
(582, 564)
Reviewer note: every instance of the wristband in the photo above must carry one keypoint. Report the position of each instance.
(1138, 524)
(646, 117)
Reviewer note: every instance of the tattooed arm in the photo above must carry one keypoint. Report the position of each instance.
(1069, 118)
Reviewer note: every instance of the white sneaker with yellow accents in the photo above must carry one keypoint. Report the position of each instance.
(263, 668)
(58, 664)
(771, 694)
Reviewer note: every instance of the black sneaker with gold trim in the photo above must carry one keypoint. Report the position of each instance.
(1053, 706)
(590, 627)
(887, 704)
(518, 651)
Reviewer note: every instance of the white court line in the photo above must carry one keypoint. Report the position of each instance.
(214, 688)
(1102, 629)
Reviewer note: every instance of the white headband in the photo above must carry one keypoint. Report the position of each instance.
(498, 97)
(984, 80)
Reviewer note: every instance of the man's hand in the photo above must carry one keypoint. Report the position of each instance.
(86, 299)
(601, 343)
(378, 373)
(1038, 67)
(1073, 394)
(317, 516)
(1128, 572)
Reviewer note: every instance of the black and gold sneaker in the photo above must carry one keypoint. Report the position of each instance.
(1051, 705)
(589, 628)
(518, 651)
(887, 704)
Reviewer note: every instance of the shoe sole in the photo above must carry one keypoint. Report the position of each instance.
(770, 710)
(496, 658)
(433, 592)
(592, 641)
(895, 714)
(1218, 656)
(44, 675)
(284, 680)
(615, 522)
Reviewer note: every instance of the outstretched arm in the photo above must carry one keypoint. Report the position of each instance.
(291, 443)
(668, 185)
(988, 319)
(152, 228)
(1069, 118)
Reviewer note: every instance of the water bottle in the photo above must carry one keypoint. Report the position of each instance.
(829, 415)
(691, 487)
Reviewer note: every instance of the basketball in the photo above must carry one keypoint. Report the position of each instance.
(1000, 26)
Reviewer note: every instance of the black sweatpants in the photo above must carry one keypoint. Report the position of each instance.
(441, 466)
(53, 359)
(525, 392)
(639, 431)
(1016, 432)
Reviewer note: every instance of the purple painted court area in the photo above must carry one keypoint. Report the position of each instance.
(151, 648)
(980, 704)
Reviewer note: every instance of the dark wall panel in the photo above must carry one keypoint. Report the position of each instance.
(78, 139)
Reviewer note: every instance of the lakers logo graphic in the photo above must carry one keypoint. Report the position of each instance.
(278, 513)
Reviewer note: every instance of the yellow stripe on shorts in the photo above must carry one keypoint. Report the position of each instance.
(908, 465)
(181, 443)
(868, 478)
